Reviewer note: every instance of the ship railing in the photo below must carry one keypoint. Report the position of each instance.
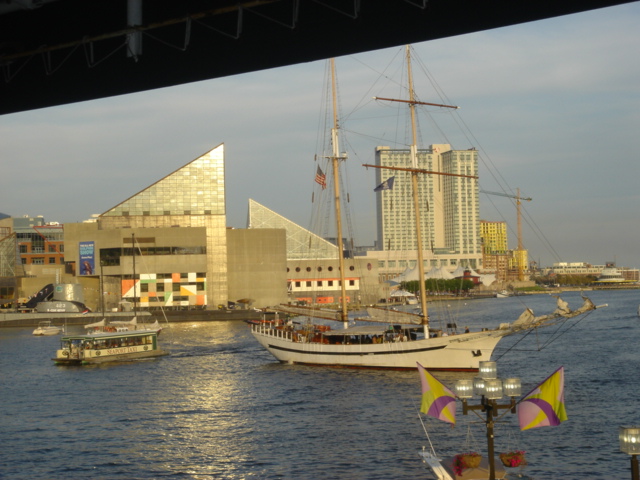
(267, 329)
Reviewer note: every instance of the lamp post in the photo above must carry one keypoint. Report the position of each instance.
(491, 389)
(630, 443)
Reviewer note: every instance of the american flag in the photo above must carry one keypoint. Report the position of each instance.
(321, 178)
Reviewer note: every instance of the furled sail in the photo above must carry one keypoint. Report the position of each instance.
(324, 313)
(528, 320)
(99, 324)
(392, 317)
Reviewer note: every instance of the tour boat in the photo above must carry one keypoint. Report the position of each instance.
(108, 346)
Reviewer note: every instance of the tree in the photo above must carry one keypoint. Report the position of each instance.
(433, 286)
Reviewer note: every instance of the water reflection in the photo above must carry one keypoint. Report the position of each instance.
(221, 407)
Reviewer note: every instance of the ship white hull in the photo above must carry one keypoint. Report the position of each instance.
(462, 352)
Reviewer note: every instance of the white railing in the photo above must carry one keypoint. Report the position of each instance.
(266, 329)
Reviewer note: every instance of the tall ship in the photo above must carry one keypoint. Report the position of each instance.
(390, 339)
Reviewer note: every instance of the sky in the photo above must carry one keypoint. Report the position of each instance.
(553, 107)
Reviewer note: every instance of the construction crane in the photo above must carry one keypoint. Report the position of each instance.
(519, 250)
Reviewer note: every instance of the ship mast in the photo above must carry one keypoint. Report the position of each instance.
(133, 253)
(416, 202)
(335, 164)
(414, 184)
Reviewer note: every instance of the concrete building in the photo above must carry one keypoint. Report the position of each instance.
(587, 269)
(168, 246)
(29, 248)
(494, 237)
(184, 253)
(313, 272)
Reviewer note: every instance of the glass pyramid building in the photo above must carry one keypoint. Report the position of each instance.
(191, 196)
(194, 189)
(301, 243)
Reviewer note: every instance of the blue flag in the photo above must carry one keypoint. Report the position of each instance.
(386, 185)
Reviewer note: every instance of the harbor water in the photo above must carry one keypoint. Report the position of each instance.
(220, 407)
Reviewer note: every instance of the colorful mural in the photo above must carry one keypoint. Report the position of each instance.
(167, 289)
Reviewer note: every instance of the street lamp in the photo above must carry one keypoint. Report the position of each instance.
(490, 389)
(630, 443)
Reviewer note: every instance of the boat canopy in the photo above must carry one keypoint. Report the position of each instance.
(364, 330)
(87, 336)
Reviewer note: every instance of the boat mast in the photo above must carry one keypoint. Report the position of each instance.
(133, 253)
(416, 202)
(414, 170)
(335, 159)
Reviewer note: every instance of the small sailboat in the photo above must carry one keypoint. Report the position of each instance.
(399, 340)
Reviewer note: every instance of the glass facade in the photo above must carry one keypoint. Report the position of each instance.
(192, 196)
(195, 189)
(301, 243)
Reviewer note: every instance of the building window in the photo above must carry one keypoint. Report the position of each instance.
(52, 260)
(23, 249)
(37, 261)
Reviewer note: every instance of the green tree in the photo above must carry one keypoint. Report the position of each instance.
(433, 286)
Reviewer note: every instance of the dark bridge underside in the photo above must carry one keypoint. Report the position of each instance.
(68, 51)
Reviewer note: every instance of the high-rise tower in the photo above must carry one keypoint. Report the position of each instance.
(450, 206)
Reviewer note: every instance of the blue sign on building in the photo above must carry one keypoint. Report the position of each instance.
(87, 258)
